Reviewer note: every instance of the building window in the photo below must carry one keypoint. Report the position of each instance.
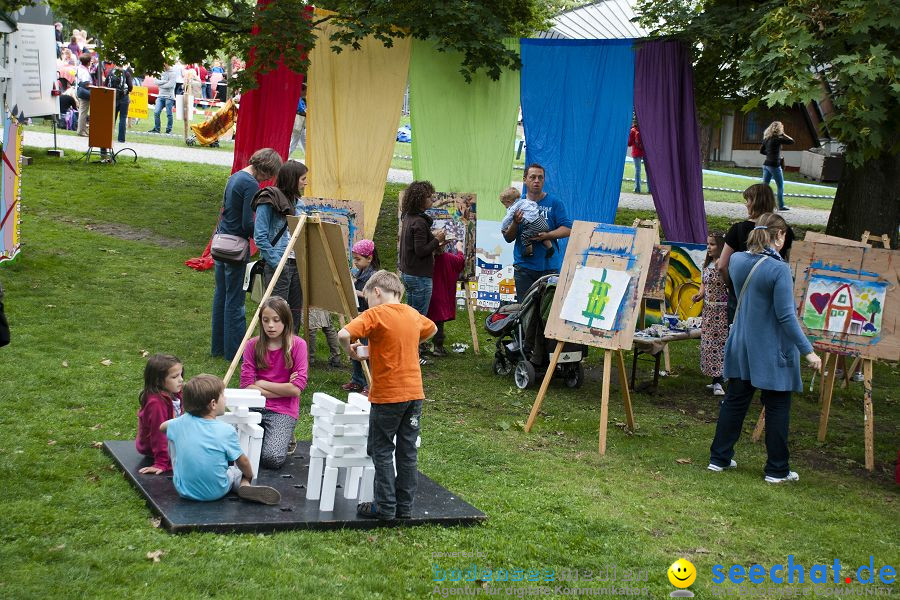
(753, 130)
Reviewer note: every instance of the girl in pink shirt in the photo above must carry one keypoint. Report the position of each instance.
(160, 401)
(275, 363)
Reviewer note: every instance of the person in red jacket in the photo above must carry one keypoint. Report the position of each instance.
(160, 401)
(448, 264)
(637, 155)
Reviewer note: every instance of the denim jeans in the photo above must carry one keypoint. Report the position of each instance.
(637, 174)
(732, 411)
(524, 279)
(122, 115)
(394, 494)
(418, 292)
(776, 173)
(358, 377)
(169, 103)
(229, 320)
(288, 287)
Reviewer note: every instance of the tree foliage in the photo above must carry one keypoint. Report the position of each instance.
(145, 32)
(781, 52)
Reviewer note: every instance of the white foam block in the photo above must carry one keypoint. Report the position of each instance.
(349, 461)
(341, 440)
(359, 401)
(329, 403)
(236, 398)
(240, 419)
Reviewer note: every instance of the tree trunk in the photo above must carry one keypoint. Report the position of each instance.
(868, 199)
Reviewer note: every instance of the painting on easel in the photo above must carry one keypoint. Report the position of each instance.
(683, 279)
(594, 297)
(455, 213)
(842, 305)
(349, 214)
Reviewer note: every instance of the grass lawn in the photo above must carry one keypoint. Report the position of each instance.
(101, 276)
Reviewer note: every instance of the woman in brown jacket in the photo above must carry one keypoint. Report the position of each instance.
(417, 244)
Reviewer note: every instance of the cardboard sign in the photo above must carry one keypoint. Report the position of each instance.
(139, 103)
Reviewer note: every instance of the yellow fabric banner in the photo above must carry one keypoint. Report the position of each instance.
(354, 100)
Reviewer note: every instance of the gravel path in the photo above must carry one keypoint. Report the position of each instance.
(732, 210)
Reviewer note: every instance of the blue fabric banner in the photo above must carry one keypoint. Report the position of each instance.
(577, 98)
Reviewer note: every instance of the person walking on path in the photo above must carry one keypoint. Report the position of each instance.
(763, 351)
(528, 269)
(773, 139)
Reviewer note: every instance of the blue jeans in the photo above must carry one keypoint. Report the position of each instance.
(169, 103)
(358, 377)
(394, 494)
(418, 292)
(524, 279)
(732, 411)
(637, 174)
(229, 320)
(122, 115)
(775, 172)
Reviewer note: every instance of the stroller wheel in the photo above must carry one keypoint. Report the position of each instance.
(502, 367)
(524, 375)
(575, 376)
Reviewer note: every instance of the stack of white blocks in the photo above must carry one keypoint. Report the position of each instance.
(340, 434)
(246, 422)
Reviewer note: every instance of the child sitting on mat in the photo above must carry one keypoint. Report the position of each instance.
(394, 331)
(533, 222)
(201, 448)
(160, 401)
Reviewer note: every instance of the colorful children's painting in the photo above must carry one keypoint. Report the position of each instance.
(842, 305)
(595, 296)
(683, 279)
(10, 192)
(348, 214)
(455, 214)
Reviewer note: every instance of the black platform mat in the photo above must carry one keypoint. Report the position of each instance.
(434, 504)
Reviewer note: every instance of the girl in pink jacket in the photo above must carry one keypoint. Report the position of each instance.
(160, 401)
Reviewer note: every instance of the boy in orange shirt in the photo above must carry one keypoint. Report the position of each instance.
(394, 331)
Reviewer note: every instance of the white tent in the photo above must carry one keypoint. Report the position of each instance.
(603, 20)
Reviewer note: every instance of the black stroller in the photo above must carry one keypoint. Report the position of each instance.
(521, 345)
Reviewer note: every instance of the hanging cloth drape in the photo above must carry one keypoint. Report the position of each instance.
(576, 105)
(265, 120)
(354, 100)
(667, 117)
(463, 134)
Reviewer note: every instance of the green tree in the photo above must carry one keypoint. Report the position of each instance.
(783, 52)
(145, 32)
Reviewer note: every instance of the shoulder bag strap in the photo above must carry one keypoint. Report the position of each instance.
(280, 233)
(744, 288)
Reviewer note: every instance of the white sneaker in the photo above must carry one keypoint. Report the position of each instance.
(792, 476)
(709, 386)
(717, 389)
(718, 469)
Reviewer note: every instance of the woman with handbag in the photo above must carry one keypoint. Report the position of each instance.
(763, 350)
(83, 93)
(231, 250)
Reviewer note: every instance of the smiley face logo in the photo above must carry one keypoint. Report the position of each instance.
(682, 573)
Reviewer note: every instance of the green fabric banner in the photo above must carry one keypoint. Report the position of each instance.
(463, 134)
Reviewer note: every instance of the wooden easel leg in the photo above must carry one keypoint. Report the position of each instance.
(760, 425)
(827, 391)
(850, 372)
(626, 393)
(667, 364)
(869, 422)
(544, 385)
(823, 375)
(604, 400)
(365, 367)
(471, 310)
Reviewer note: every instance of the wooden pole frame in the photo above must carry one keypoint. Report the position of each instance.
(604, 394)
(470, 308)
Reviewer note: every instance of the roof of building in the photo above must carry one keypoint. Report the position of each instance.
(602, 20)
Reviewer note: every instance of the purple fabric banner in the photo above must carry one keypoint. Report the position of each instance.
(664, 103)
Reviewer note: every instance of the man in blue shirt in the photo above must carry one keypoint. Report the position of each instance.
(528, 269)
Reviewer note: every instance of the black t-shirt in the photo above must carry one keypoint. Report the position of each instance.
(738, 233)
(771, 147)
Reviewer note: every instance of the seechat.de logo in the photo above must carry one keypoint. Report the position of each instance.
(796, 573)
(682, 574)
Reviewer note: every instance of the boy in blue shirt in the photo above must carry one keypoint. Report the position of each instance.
(201, 448)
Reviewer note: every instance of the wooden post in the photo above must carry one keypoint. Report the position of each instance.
(667, 364)
(471, 310)
(869, 416)
(626, 394)
(304, 287)
(760, 425)
(604, 400)
(284, 258)
(544, 385)
(827, 391)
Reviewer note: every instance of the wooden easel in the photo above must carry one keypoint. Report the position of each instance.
(470, 308)
(828, 375)
(596, 245)
(604, 394)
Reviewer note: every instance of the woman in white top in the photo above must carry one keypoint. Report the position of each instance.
(82, 95)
